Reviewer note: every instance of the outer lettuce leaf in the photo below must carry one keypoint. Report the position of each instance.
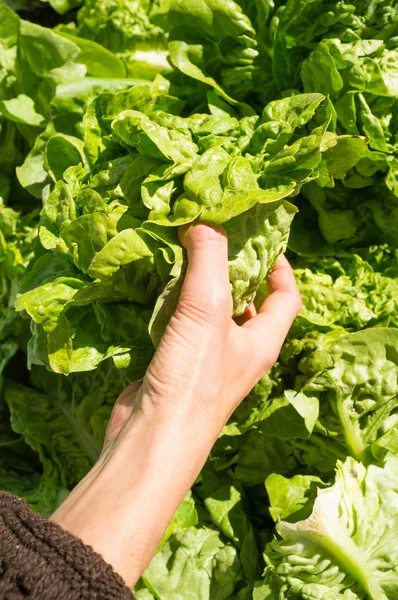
(127, 30)
(292, 499)
(197, 564)
(53, 76)
(357, 389)
(353, 291)
(347, 546)
(226, 504)
(64, 421)
(21, 475)
(215, 43)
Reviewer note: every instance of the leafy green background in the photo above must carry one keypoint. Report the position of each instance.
(120, 120)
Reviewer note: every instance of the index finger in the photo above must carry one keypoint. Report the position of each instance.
(275, 317)
(206, 289)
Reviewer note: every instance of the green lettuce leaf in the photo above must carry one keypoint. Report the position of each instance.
(127, 30)
(64, 420)
(356, 388)
(111, 224)
(347, 546)
(197, 564)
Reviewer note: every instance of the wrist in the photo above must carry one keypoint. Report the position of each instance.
(200, 414)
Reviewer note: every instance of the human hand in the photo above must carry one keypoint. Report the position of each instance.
(161, 432)
(207, 362)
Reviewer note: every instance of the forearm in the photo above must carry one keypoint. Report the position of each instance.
(125, 504)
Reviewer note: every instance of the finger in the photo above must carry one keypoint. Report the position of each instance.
(206, 285)
(247, 315)
(275, 317)
(281, 278)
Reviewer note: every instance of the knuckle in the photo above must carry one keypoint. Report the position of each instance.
(214, 309)
(203, 235)
(204, 312)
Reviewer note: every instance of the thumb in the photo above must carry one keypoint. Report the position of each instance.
(206, 285)
(124, 407)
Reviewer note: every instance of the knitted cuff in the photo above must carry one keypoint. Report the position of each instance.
(39, 560)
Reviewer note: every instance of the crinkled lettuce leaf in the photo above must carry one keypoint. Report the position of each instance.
(197, 563)
(126, 29)
(109, 229)
(346, 548)
(56, 428)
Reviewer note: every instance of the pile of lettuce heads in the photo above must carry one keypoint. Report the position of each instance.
(278, 120)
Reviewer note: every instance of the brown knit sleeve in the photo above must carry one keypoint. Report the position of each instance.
(41, 561)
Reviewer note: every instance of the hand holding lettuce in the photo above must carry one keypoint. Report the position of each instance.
(201, 347)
